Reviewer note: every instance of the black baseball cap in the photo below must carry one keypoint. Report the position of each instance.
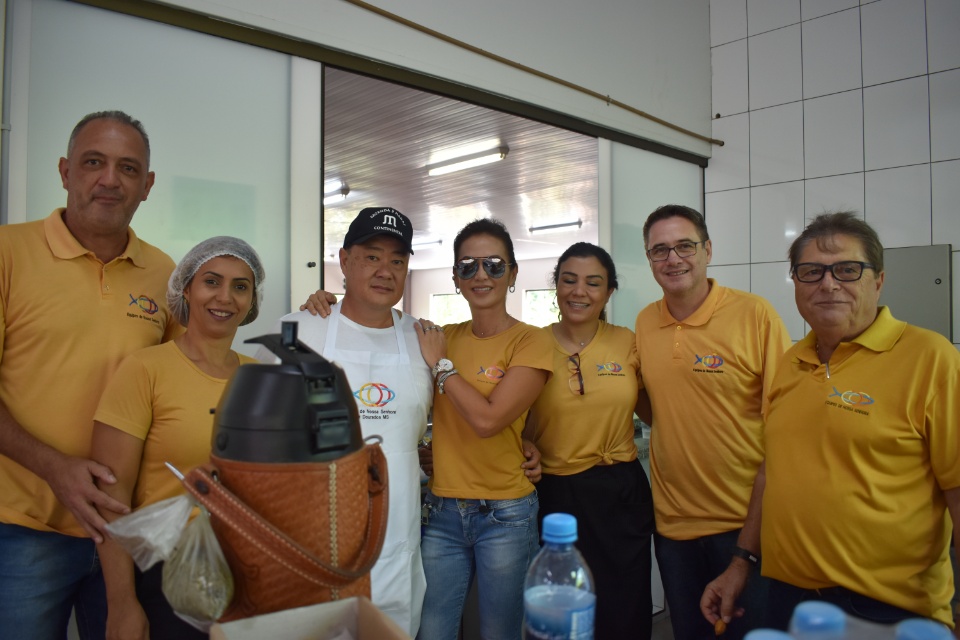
(379, 221)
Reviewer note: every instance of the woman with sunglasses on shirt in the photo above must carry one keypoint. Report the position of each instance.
(582, 422)
(480, 512)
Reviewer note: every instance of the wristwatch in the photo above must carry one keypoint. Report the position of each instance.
(442, 365)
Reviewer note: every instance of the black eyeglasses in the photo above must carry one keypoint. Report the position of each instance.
(846, 271)
(576, 378)
(468, 267)
(683, 250)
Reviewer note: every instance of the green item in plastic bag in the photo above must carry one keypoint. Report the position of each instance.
(196, 577)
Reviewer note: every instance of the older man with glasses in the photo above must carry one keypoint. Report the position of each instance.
(707, 356)
(862, 440)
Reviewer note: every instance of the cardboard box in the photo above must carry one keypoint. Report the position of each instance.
(317, 622)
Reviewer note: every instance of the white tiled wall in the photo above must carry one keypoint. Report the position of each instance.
(827, 105)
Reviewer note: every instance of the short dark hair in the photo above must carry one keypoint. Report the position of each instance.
(489, 227)
(675, 211)
(587, 250)
(847, 223)
(116, 116)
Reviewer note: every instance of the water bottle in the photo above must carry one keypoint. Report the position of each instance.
(767, 634)
(921, 629)
(558, 598)
(816, 620)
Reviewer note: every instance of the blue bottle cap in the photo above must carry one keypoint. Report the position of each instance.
(767, 634)
(559, 528)
(921, 629)
(817, 616)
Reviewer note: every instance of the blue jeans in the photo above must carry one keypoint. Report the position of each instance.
(687, 566)
(784, 597)
(496, 539)
(43, 575)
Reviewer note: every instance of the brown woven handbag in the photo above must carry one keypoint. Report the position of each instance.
(296, 534)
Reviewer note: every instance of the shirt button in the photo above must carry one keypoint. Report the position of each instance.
(679, 327)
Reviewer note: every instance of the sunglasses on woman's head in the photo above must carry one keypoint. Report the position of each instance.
(468, 267)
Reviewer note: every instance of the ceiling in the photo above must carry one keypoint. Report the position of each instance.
(379, 137)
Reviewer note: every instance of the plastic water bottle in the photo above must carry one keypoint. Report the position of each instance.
(816, 620)
(558, 598)
(921, 629)
(767, 634)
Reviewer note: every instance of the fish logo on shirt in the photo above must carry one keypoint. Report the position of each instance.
(853, 398)
(144, 303)
(712, 361)
(610, 367)
(493, 372)
(374, 394)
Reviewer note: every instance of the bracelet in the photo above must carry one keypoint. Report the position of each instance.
(749, 556)
(443, 378)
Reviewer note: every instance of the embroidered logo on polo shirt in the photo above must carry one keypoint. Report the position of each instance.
(144, 303)
(712, 362)
(854, 401)
(146, 308)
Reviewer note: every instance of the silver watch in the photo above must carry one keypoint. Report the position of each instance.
(442, 365)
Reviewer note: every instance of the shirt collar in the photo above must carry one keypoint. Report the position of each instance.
(882, 334)
(64, 245)
(699, 317)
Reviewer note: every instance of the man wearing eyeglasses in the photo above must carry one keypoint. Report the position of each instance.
(707, 356)
(862, 439)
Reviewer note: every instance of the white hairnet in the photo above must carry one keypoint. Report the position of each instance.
(197, 257)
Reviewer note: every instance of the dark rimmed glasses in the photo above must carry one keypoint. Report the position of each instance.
(467, 267)
(576, 378)
(683, 250)
(845, 271)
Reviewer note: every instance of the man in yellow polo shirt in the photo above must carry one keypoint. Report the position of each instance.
(707, 356)
(861, 441)
(78, 292)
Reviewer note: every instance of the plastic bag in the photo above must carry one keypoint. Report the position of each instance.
(150, 534)
(196, 578)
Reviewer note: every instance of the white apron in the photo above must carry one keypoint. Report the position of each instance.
(393, 402)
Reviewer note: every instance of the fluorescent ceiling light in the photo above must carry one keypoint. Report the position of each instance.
(546, 228)
(426, 243)
(336, 194)
(465, 162)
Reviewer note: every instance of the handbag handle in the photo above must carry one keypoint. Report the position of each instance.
(237, 515)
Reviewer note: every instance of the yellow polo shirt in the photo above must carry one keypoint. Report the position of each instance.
(66, 322)
(707, 377)
(857, 464)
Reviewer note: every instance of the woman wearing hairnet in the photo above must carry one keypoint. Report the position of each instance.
(156, 409)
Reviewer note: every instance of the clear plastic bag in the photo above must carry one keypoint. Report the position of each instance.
(196, 577)
(150, 534)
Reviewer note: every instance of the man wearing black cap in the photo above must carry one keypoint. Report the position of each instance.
(377, 347)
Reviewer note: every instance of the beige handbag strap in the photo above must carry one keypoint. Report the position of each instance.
(237, 515)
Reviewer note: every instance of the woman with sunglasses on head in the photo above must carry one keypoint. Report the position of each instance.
(480, 512)
(582, 422)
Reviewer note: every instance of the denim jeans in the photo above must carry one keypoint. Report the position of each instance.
(784, 597)
(686, 566)
(496, 539)
(43, 575)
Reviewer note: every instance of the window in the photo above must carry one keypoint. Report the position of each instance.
(448, 308)
(540, 307)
